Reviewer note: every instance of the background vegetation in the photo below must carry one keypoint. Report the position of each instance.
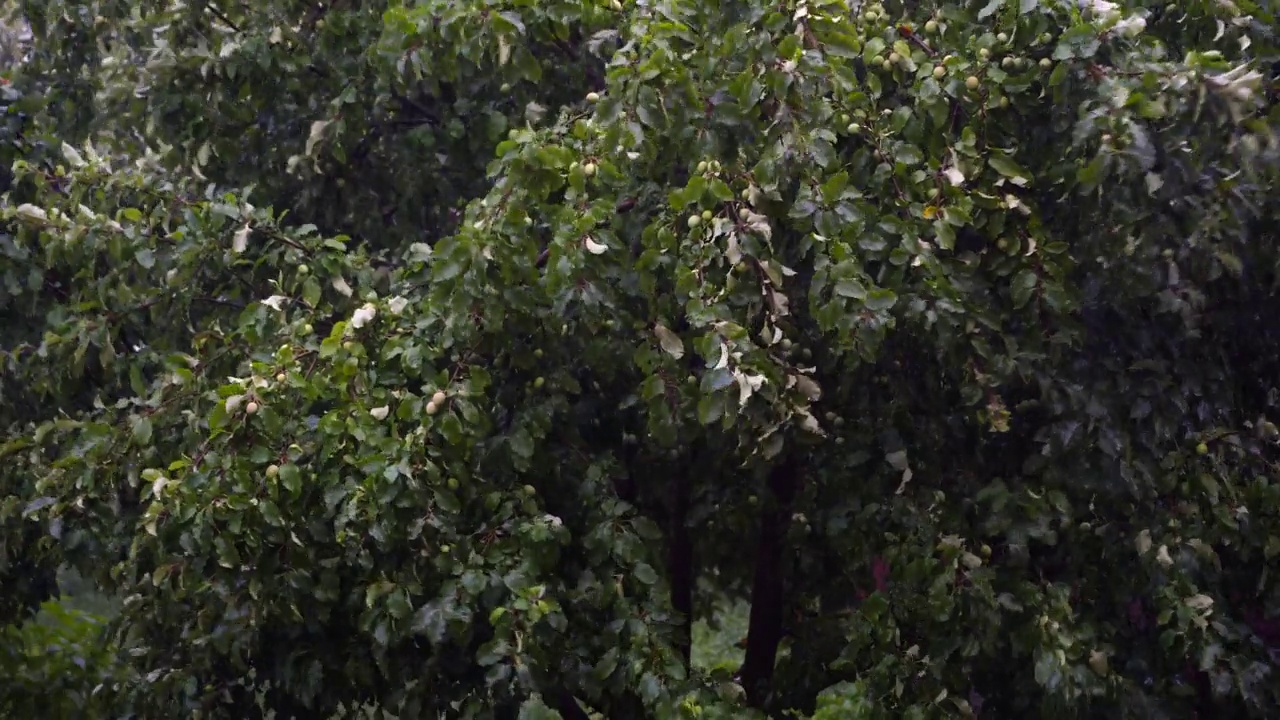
(640, 359)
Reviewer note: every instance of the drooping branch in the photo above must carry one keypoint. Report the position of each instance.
(764, 632)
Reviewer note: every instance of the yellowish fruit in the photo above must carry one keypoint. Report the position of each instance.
(1202, 449)
(273, 470)
(438, 397)
(931, 27)
(694, 221)
(251, 408)
(432, 408)
(706, 214)
(971, 82)
(939, 72)
(589, 169)
(593, 97)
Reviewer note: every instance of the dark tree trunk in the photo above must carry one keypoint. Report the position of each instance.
(680, 560)
(768, 593)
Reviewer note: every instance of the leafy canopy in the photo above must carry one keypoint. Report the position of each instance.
(454, 357)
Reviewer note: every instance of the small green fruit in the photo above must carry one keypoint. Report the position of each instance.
(432, 408)
(694, 221)
(854, 128)
(895, 58)
(1202, 449)
(1004, 103)
(303, 269)
(593, 97)
(743, 213)
(453, 483)
(537, 353)
(505, 87)
(1008, 62)
(1045, 63)
(971, 82)
(273, 470)
(706, 214)
(939, 72)
(530, 490)
(1002, 38)
(589, 169)
(438, 398)
(538, 382)
(984, 53)
(702, 166)
(931, 27)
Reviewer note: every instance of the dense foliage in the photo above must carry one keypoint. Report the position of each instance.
(479, 359)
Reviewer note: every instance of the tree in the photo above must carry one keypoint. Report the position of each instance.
(940, 335)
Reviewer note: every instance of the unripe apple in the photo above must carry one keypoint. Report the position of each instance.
(1008, 62)
(303, 269)
(854, 128)
(971, 82)
(432, 408)
(538, 382)
(1002, 38)
(984, 53)
(895, 58)
(706, 214)
(505, 87)
(307, 329)
(589, 169)
(939, 72)
(537, 352)
(530, 490)
(281, 377)
(452, 483)
(694, 221)
(702, 166)
(1202, 449)
(251, 408)
(931, 27)
(1004, 102)
(273, 470)
(1045, 63)
(593, 97)
(438, 398)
